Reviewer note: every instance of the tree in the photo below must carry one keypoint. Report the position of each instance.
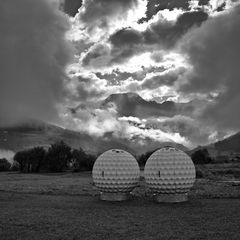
(21, 158)
(36, 158)
(4, 165)
(58, 157)
(30, 160)
(144, 157)
(82, 161)
(201, 156)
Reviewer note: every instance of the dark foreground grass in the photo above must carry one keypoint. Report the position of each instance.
(65, 206)
(32, 216)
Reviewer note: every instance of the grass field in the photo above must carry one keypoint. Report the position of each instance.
(66, 206)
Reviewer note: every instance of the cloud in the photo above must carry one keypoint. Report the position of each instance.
(34, 54)
(155, 6)
(187, 127)
(184, 56)
(213, 53)
(161, 34)
(106, 124)
(98, 17)
(167, 78)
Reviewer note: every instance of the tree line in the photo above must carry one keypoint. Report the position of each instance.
(57, 158)
(200, 156)
(61, 157)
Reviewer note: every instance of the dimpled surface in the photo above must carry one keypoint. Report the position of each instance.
(169, 170)
(116, 171)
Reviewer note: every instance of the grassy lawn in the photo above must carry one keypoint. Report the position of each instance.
(66, 206)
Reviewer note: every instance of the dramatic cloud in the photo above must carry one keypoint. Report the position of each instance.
(161, 34)
(168, 78)
(98, 17)
(175, 67)
(33, 57)
(155, 6)
(143, 71)
(213, 52)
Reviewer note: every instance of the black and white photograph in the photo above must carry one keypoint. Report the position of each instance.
(119, 119)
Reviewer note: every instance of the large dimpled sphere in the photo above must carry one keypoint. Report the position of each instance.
(116, 171)
(169, 170)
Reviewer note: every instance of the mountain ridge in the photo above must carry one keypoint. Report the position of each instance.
(27, 135)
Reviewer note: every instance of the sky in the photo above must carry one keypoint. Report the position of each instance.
(134, 69)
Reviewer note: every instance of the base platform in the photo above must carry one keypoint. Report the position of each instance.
(114, 197)
(171, 198)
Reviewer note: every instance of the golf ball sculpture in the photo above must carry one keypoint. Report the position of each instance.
(115, 173)
(169, 173)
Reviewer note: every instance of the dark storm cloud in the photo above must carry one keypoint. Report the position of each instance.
(213, 50)
(162, 33)
(128, 42)
(33, 57)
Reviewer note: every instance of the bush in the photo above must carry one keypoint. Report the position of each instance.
(58, 157)
(199, 173)
(4, 165)
(82, 161)
(201, 156)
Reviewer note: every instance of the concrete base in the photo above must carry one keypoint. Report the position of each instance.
(114, 197)
(171, 198)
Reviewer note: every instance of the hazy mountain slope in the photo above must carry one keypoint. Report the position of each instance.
(32, 134)
(231, 143)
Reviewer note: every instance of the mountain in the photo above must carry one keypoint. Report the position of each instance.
(36, 133)
(231, 144)
(131, 104)
(224, 147)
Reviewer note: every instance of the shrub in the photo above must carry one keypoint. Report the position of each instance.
(4, 165)
(201, 156)
(199, 173)
(58, 157)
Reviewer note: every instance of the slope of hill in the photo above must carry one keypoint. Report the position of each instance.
(224, 147)
(231, 143)
(37, 133)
